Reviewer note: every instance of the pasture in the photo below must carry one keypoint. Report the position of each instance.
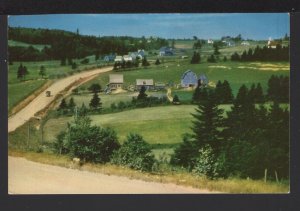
(158, 125)
(170, 72)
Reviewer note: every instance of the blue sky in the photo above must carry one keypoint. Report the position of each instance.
(250, 25)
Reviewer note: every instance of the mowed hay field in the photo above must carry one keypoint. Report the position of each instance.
(237, 73)
(158, 125)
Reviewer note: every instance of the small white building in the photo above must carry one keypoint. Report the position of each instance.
(127, 58)
(245, 43)
(210, 41)
(147, 83)
(119, 59)
(116, 81)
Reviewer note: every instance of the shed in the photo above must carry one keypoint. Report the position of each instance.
(189, 79)
(160, 85)
(119, 59)
(147, 83)
(116, 81)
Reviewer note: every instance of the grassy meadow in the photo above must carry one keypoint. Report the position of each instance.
(237, 73)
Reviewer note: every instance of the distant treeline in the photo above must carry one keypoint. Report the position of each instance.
(280, 53)
(64, 45)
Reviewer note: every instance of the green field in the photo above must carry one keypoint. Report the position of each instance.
(237, 73)
(158, 125)
(19, 90)
(26, 45)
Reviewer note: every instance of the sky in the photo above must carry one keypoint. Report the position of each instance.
(257, 26)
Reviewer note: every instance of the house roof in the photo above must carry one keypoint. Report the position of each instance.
(147, 82)
(116, 78)
(165, 48)
(203, 77)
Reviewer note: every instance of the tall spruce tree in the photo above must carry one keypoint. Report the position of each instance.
(206, 124)
(96, 103)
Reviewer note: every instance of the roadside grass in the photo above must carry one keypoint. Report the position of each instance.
(179, 177)
(19, 91)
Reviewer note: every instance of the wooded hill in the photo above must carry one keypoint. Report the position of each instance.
(65, 44)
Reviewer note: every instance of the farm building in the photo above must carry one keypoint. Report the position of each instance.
(189, 79)
(160, 85)
(245, 43)
(166, 51)
(203, 81)
(127, 58)
(148, 83)
(210, 41)
(109, 58)
(119, 59)
(116, 81)
(273, 44)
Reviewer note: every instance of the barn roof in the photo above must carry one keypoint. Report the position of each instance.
(188, 72)
(116, 78)
(147, 82)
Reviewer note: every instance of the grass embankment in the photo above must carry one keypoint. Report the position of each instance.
(231, 185)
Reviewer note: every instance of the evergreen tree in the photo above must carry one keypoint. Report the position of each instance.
(62, 105)
(157, 62)
(227, 92)
(216, 49)
(82, 112)
(225, 59)
(259, 96)
(219, 92)
(211, 59)
(186, 153)
(208, 120)
(71, 103)
(176, 99)
(95, 102)
(42, 71)
(196, 58)
(142, 95)
(145, 62)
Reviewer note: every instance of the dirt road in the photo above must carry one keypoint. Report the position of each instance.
(27, 177)
(41, 101)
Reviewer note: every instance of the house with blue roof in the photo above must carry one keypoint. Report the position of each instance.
(166, 51)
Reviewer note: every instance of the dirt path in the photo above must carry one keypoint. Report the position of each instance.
(41, 101)
(169, 95)
(27, 177)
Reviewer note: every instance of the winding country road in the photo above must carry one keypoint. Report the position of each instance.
(41, 101)
(27, 177)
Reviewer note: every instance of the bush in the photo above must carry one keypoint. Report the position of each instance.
(185, 153)
(135, 153)
(208, 164)
(87, 142)
(85, 61)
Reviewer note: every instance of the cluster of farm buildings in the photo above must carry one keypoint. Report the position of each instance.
(188, 79)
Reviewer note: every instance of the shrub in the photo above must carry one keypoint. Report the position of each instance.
(90, 143)
(208, 164)
(135, 153)
(184, 155)
(85, 61)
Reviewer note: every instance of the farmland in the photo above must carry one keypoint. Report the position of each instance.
(237, 73)
(34, 81)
